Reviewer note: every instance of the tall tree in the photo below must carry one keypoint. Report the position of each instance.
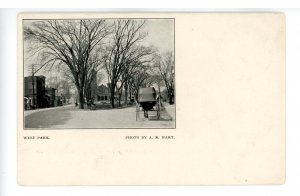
(139, 79)
(138, 60)
(71, 43)
(124, 52)
(166, 67)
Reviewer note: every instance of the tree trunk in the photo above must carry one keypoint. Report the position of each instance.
(119, 100)
(126, 94)
(170, 100)
(171, 96)
(120, 96)
(81, 98)
(136, 96)
(112, 95)
(130, 93)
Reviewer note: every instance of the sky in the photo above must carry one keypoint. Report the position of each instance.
(160, 35)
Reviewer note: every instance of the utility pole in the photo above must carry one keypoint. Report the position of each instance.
(33, 72)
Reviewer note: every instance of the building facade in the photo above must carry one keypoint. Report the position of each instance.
(37, 95)
(50, 93)
(34, 91)
(103, 93)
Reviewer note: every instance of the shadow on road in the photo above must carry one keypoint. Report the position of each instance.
(164, 116)
(105, 107)
(45, 119)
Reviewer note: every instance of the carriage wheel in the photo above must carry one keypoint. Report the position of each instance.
(146, 113)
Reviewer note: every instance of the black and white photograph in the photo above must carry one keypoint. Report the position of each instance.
(99, 73)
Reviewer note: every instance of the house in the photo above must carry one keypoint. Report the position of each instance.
(103, 93)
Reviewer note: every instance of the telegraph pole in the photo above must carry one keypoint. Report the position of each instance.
(32, 72)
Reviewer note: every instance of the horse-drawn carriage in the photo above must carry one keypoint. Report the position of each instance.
(148, 100)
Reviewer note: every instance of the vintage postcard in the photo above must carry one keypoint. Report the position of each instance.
(151, 98)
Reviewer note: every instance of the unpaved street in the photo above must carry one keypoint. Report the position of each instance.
(71, 117)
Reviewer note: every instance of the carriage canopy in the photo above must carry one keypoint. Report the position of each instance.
(147, 95)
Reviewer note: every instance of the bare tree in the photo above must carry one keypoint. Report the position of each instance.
(138, 80)
(124, 53)
(138, 60)
(62, 86)
(166, 67)
(71, 43)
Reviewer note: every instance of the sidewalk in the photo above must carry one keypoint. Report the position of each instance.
(170, 109)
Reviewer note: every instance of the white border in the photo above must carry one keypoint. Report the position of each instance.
(8, 65)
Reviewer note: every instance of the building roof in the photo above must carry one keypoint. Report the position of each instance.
(103, 89)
